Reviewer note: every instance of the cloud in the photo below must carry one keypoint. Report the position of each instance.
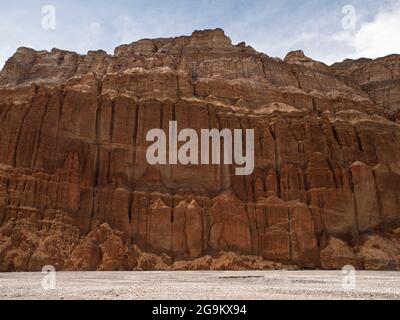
(323, 38)
(381, 36)
(375, 38)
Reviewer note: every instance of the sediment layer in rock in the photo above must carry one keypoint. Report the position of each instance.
(77, 192)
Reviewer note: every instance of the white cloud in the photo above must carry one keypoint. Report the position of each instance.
(381, 36)
(376, 35)
(376, 38)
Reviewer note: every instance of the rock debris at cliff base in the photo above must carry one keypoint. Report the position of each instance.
(77, 193)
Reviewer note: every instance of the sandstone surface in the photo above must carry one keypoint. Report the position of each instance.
(77, 192)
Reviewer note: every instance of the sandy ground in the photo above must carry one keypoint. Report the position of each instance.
(202, 285)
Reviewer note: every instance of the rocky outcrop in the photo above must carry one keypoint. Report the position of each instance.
(338, 254)
(379, 78)
(77, 192)
(381, 253)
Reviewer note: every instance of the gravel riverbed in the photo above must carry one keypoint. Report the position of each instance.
(202, 285)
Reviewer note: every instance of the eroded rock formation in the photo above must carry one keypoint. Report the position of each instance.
(77, 192)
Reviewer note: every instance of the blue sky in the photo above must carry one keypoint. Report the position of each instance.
(274, 27)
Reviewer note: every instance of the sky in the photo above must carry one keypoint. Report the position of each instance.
(326, 30)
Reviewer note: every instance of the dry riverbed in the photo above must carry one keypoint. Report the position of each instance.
(203, 285)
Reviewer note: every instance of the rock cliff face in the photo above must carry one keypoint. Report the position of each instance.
(76, 191)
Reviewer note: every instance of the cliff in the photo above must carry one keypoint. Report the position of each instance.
(76, 191)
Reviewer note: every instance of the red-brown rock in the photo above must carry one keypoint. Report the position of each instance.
(77, 192)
